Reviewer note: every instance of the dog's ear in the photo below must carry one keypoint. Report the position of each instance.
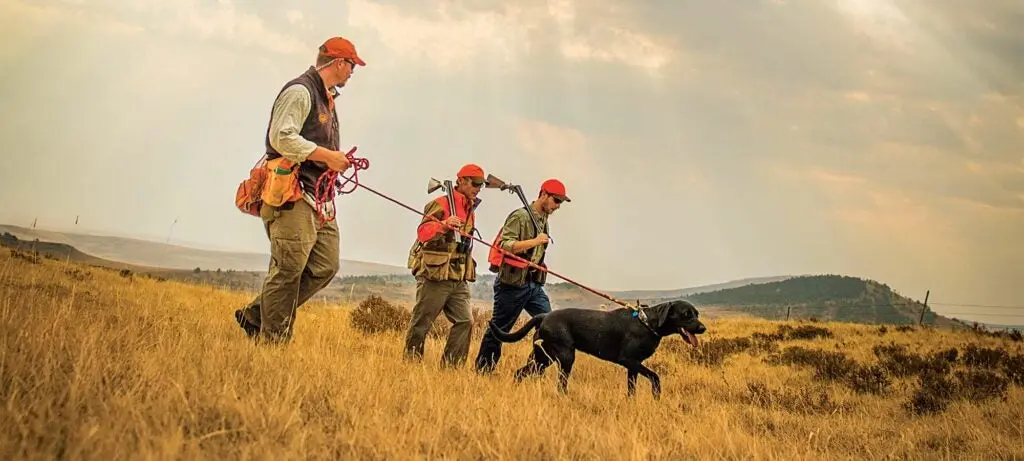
(663, 314)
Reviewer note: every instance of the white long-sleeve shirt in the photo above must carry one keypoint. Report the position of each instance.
(289, 112)
(286, 119)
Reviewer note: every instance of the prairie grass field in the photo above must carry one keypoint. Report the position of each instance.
(97, 364)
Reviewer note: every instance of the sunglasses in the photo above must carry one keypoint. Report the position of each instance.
(477, 183)
(557, 200)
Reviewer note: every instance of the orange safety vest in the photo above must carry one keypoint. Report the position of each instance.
(497, 256)
(438, 259)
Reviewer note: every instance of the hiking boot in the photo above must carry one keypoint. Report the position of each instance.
(250, 330)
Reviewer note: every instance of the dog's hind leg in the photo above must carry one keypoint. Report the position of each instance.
(565, 359)
(536, 363)
(631, 382)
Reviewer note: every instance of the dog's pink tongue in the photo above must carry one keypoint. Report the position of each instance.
(690, 337)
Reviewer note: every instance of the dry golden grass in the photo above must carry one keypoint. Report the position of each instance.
(99, 366)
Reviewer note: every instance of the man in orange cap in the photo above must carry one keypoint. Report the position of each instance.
(303, 129)
(442, 262)
(517, 286)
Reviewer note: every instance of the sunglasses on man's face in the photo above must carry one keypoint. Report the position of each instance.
(477, 183)
(557, 200)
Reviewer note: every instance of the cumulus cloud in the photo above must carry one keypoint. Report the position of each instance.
(222, 21)
(881, 20)
(450, 39)
(40, 17)
(454, 36)
(559, 150)
(870, 215)
(549, 142)
(226, 23)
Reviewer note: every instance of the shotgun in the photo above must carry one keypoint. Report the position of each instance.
(494, 183)
(449, 191)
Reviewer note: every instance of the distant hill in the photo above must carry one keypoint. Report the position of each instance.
(61, 252)
(161, 255)
(230, 279)
(678, 293)
(825, 297)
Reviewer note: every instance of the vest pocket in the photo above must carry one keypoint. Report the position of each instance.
(511, 275)
(282, 182)
(538, 276)
(434, 265)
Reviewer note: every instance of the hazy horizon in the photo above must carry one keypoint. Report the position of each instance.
(942, 309)
(700, 141)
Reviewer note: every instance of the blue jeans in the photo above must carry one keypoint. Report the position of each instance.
(509, 302)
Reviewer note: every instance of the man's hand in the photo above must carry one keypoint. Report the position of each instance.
(453, 221)
(335, 160)
(522, 245)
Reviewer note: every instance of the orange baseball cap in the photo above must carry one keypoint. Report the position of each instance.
(338, 47)
(471, 170)
(556, 188)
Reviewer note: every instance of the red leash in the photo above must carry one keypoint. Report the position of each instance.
(635, 307)
(332, 187)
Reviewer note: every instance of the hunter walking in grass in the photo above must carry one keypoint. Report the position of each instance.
(443, 265)
(301, 144)
(517, 286)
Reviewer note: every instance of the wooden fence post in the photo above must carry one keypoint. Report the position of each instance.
(924, 307)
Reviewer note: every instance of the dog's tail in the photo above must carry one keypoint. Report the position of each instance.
(514, 336)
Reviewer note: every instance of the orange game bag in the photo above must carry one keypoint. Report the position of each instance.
(248, 196)
(282, 182)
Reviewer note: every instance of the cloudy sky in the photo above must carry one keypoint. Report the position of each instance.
(701, 141)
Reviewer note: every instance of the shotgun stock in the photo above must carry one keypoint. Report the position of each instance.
(493, 182)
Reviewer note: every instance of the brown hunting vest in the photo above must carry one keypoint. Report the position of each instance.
(441, 258)
(320, 126)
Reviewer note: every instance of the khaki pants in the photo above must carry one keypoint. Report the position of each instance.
(303, 260)
(432, 297)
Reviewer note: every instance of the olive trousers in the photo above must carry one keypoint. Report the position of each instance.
(433, 297)
(303, 261)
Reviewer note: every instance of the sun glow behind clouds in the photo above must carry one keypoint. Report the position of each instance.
(454, 36)
(881, 20)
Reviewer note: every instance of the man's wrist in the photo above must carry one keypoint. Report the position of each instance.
(320, 154)
(523, 245)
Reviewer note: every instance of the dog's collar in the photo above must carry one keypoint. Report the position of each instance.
(640, 315)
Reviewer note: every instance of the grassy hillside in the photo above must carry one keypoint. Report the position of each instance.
(825, 297)
(175, 257)
(100, 366)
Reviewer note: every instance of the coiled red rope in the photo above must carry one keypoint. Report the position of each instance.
(327, 185)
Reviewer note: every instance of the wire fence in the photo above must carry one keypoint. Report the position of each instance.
(995, 317)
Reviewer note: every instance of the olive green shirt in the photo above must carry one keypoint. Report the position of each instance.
(518, 227)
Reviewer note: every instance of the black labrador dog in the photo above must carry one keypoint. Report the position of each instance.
(617, 336)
